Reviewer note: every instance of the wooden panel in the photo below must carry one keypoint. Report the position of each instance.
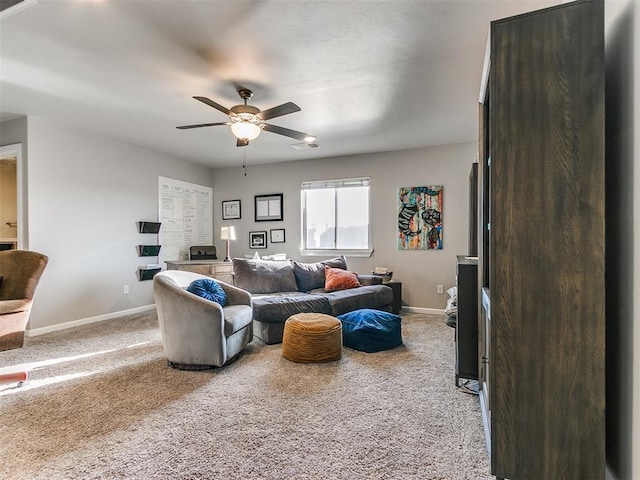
(547, 243)
(217, 269)
(220, 268)
(201, 269)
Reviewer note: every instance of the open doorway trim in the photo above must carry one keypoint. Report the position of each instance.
(9, 151)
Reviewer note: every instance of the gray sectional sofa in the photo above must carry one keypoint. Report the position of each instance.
(281, 289)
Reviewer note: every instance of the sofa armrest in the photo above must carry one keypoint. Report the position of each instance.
(369, 279)
(235, 295)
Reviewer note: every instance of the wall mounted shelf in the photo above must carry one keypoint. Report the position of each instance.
(148, 250)
(147, 272)
(149, 227)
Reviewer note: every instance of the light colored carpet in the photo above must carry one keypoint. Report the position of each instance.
(102, 403)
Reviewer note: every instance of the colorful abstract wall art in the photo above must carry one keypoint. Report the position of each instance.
(420, 218)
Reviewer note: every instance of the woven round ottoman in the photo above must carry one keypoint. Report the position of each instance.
(312, 337)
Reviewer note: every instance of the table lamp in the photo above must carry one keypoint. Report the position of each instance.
(227, 234)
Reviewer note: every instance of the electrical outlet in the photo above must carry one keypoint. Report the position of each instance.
(440, 289)
(125, 289)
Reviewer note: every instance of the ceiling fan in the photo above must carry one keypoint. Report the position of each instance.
(247, 121)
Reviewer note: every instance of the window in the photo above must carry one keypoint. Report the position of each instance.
(335, 216)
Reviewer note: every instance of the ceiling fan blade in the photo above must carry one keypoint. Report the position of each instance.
(285, 131)
(184, 127)
(213, 104)
(284, 109)
(242, 142)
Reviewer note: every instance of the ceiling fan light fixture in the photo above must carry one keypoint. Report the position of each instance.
(245, 126)
(247, 121)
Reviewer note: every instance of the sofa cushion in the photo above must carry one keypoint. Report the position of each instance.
(338, 279)
(368, 296)
(262, 276)
(310, 276)
(277, 307)
(208, 289)
(370, 330)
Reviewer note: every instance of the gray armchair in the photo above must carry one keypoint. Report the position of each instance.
(197, 333)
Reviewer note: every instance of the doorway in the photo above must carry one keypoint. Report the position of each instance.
(11, 206)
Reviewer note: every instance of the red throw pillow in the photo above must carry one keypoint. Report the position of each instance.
(339, 279)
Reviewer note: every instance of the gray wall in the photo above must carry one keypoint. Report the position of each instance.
(419, 270)
(85, 195)
(623, 247)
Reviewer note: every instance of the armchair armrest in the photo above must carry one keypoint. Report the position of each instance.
(369, 279)
(15, 305)
(235, 295)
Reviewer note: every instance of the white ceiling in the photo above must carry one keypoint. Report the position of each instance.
(369, 75)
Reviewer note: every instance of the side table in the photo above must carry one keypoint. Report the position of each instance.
(213, 268)
(397, 295)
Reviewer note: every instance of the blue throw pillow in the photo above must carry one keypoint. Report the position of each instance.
(209, 289)
(370, 330)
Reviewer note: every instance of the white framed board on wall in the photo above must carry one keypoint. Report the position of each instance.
(186, 213)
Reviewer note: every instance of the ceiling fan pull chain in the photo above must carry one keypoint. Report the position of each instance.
(244, 161)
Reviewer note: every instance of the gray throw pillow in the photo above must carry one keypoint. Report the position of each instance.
(262, 276)
(310, 276)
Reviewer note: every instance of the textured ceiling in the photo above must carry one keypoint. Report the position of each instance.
(369, 76)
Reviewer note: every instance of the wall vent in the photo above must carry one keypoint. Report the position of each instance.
(305, 146)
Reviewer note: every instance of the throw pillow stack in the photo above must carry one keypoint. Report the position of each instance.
(310, 276)
(264, 277)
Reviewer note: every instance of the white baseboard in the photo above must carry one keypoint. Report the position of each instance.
(34, 332)
(430, 311)
(84, 321)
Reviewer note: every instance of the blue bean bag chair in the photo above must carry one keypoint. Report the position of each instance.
(370, 330)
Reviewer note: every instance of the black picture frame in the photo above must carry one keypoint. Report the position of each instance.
(231, 210)
(277, 235)
(269, 208)
(258, 240)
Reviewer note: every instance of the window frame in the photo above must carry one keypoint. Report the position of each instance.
(334, 184)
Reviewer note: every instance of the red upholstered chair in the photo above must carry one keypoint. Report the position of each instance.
(20, 272)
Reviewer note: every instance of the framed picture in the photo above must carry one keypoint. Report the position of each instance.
(257, 239)
(420, 218)
(269, 207)
(277, 235)
(230, 209)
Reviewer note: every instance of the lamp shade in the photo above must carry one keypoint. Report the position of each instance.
(228, 233)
